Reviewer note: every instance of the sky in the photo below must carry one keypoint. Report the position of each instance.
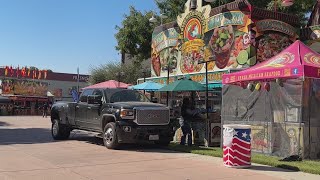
(62, 35)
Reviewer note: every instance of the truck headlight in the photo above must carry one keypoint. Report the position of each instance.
(127, 114)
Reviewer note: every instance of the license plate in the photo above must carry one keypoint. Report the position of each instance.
(153, 137)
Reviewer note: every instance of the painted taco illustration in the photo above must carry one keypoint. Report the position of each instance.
(221, 43)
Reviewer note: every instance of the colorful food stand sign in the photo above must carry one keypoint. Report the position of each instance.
(273, 36)
(192, 52)
(24, 87)
(228, 40)
(275, 25)
(165, 39)
(227, 18)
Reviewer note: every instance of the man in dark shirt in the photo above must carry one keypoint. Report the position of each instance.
(186, 116)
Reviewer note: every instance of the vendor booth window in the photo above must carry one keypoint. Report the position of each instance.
(292, 114)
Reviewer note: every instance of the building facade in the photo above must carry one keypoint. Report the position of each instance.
(29, 89)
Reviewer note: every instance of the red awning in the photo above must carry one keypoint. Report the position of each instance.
(109, 84)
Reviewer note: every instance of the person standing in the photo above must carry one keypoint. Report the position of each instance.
(45, 110)
(186, 117)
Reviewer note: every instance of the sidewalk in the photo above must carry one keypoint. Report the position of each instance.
(266, 170)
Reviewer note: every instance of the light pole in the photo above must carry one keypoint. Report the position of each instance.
(119, 75)
(154, 20)
(78, 80)
(144, 72)
(169, 66)
(168, 78)
(206, 99)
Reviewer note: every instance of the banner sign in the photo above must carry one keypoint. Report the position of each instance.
(165, 39)
(24, 87)
(200, 77)
(227, 18)
(274, 25)
(265, 74)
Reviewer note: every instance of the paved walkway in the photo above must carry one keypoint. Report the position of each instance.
(27, 151)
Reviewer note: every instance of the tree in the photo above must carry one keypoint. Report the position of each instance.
(134, 35)
(109, 71)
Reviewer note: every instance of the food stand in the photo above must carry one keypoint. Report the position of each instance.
(279, 98)
(188, 88)
(229, 38)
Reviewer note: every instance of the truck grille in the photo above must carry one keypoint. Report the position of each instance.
(152, 116)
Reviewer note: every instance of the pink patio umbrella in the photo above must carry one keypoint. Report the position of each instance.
(109, 84)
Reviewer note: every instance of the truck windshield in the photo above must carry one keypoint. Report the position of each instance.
(125, 96)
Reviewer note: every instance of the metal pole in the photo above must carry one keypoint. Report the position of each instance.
(207, 108)
(144, 80)
(78, 80)
(207, 94)
(119, 80)
(168, 68)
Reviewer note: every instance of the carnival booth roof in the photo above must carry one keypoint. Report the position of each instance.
(148, 86)
(298, 60)
(183, 85)
(108, 84)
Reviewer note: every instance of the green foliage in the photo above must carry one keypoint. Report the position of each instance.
(110, 71)
(172, 8)
(299, 8)
(134, 35)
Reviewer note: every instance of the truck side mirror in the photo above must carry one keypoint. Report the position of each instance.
(94, 99)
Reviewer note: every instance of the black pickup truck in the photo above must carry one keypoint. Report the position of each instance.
(118, 115)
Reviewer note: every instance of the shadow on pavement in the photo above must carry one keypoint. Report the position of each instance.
(142, 147)
(4, 124)
(42, 135)
(25, 136)
(274, 169)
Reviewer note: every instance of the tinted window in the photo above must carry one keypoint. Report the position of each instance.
(84, 95)
(124, 96)
(98, 92)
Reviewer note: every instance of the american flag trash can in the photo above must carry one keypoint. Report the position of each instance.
(236, 145)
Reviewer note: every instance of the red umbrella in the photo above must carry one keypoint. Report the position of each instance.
(109, 84)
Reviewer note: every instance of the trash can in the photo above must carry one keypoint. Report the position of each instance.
(236, 145)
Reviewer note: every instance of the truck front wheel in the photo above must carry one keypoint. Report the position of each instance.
(59, 131)
(110, 138)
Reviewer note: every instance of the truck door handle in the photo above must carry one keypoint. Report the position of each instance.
(89, 107)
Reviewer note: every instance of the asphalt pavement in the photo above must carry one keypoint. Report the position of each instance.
(27, 151)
